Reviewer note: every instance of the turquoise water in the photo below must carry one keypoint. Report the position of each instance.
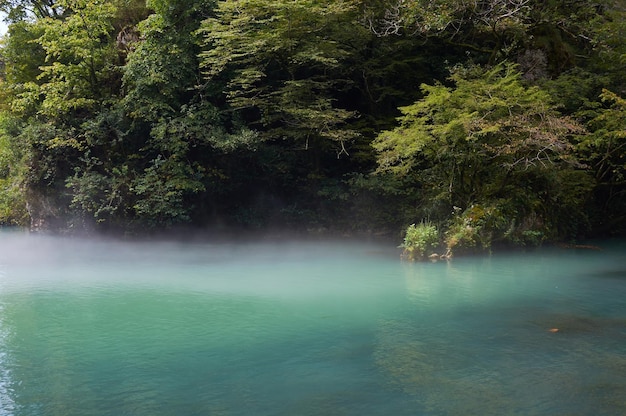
(307, 328)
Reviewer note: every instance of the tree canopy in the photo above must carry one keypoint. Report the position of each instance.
(498, 121)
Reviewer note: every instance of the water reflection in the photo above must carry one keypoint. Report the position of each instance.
(501, 336)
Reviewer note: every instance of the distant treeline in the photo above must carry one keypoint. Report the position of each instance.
(497, 121)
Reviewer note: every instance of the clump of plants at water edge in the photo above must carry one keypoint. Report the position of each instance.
(419, 241)
(474, 228)
(481, 226)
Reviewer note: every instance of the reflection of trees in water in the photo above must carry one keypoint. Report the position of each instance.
(451, 370)
(428, 284)
(451, 283)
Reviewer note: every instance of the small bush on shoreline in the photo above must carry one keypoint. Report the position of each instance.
(419, 241)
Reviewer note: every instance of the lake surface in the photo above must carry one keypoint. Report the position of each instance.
(307, 328)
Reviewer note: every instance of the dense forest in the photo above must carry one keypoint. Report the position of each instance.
(493, 122)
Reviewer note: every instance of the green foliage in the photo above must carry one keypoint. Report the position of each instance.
(478, 142)
(489, 124)
(100, 196)
(79, 56)
(161, 190)
(487, 115)
(604, 150)
(446, 16)
(474, 229)
(280, 62)
(12, 175)
(606, 146)
(547, 37)
(161, 69)
(21, 53)
(152, 113)
(419, 240)
(18, 10)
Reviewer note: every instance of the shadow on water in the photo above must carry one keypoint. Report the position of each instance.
(611, 274)
(566, 324)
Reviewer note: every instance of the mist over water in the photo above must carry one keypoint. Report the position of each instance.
(102, 327)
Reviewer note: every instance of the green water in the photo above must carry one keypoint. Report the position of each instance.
(305, 328)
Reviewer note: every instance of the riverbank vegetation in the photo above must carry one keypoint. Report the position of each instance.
(498, 122)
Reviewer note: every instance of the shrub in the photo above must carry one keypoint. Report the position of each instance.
(419, 240)
(475, 229)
